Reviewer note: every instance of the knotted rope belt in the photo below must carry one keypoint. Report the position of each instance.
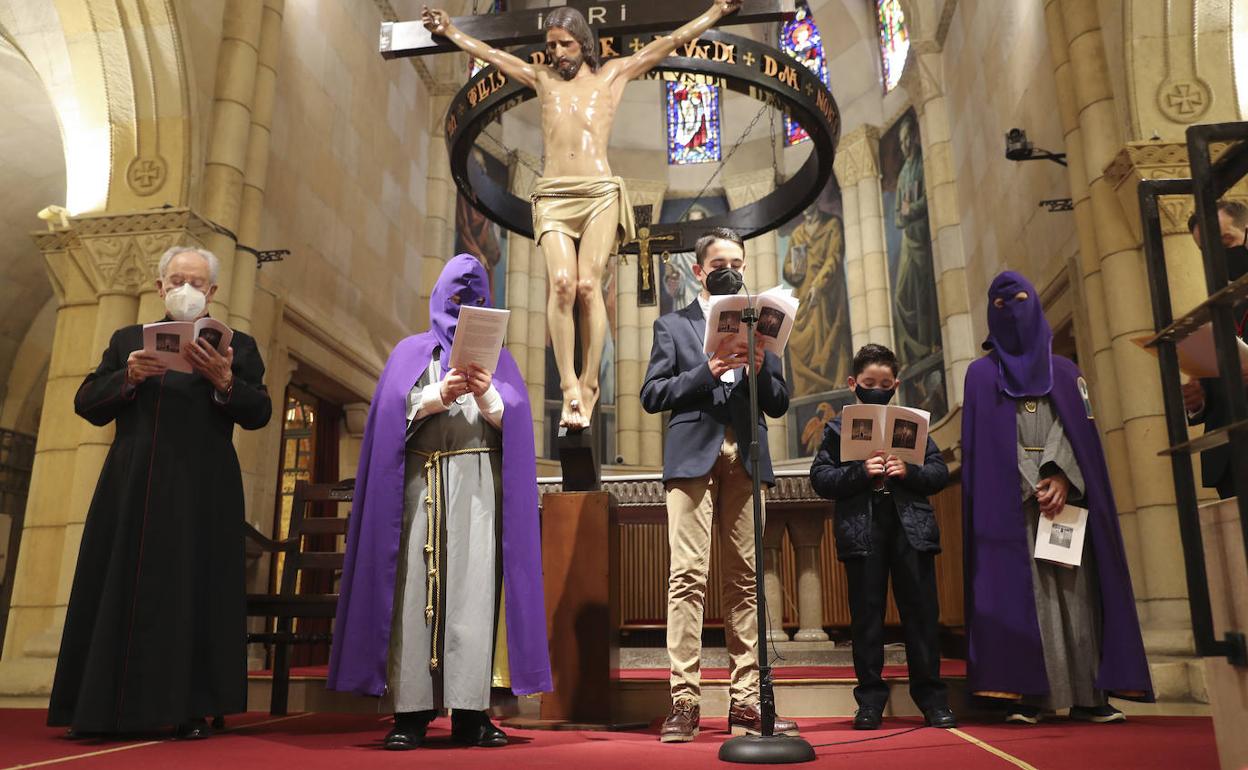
(433, 537)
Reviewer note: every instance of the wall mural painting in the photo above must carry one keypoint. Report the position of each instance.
(475, 234)
(811, 253)
(916, 317)
(679, 286)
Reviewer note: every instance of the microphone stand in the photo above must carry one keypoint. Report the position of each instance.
(768, 748)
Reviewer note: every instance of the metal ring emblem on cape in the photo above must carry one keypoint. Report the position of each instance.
(736, 63)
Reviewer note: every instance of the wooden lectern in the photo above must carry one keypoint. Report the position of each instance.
(580, 558)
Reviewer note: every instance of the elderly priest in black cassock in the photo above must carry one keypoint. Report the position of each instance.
(155, 628)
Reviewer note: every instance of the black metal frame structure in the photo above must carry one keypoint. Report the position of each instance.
(736, 63)
(1210, 180)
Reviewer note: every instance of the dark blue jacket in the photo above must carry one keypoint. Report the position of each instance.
(679, 379)
(848, 484)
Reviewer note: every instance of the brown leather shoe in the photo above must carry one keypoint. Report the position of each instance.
(745, 719)
(681, 725)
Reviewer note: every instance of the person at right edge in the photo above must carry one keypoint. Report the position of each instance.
(1040, 636)
(1203, 399)
(885, 525)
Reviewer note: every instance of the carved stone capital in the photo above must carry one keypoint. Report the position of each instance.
(857, 156)
(114, 253)
(744, 189)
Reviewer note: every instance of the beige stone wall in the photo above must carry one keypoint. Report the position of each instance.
(998, 75)
(346, 176)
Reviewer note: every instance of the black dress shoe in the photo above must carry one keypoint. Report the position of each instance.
(868, 718)
(941, 716)
(474, 728)
(409, 730)
(193, 730)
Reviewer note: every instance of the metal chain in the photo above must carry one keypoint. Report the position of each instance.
(736, 145)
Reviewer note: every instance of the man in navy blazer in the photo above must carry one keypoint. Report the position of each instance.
(706, 471)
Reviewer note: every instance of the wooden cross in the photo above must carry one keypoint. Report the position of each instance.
(410, 38)
(645, 260)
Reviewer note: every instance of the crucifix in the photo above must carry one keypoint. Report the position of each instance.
(645, 259)
(580, 208)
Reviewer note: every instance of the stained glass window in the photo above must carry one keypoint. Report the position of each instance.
(692, 123)
(800, 39)
(894, 40)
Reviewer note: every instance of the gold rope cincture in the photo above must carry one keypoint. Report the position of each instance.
(433, 538)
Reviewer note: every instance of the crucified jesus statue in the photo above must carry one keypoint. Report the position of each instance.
(580, 210)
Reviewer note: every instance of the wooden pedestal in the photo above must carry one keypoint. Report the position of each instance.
(581, 566)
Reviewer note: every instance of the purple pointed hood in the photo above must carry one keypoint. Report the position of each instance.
(464, 278)
(1020, 336)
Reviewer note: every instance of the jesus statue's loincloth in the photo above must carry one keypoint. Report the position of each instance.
(567, 204)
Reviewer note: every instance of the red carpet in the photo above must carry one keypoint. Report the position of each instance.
(331, 741)
(949, 668)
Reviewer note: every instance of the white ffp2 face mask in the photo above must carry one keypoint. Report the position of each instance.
(185, 303)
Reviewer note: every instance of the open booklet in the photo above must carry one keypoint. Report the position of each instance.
(898, 430)
(165, 339)
(479, 335)
(777, 309)
(1060, 539)
(1197, 355)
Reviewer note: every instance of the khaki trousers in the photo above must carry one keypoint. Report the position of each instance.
(691, 504)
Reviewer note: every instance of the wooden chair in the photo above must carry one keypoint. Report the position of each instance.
(287, 604)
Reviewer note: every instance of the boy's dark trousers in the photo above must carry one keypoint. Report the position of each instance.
(914, 588)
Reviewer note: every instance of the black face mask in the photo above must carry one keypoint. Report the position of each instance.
(876, 396)
(1236, 261)
(724, 280)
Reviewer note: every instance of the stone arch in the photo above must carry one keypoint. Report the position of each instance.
(117, 74)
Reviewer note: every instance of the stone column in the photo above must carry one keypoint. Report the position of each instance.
(879, 304)
(762, 267)
(440, 202)
(773, 539)
(1125, 288)
(948, 252)
(226, 163)
(255, 170)
(529, 296)
(98, 265)
(633, 349)
(806, 534)
(1103, 379)
(849, 167)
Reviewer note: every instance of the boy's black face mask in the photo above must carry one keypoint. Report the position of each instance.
(724, 280)
(876, 396)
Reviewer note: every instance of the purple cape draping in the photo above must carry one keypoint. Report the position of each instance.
(366, 598)
(1005, 653)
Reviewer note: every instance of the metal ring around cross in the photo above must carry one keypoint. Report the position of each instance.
(736, 63)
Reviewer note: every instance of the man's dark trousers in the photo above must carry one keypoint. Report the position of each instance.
(914, 588)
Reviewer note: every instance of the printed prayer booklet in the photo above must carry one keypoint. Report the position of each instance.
(1060, 539)
(898, 430)
(777, 309)
(1197, 356)
(165, 339)
(479, 335)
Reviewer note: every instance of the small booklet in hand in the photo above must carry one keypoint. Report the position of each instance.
(479, 335)
(1060, 539)
(165, 339)
(1197, 356)
(898, 430)
(777, 309)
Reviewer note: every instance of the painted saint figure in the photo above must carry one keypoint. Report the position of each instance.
(814, 265)
(915, 289)
(580, 210)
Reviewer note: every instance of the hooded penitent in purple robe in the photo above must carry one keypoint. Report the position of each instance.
(1005, 653)
(366, 603)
